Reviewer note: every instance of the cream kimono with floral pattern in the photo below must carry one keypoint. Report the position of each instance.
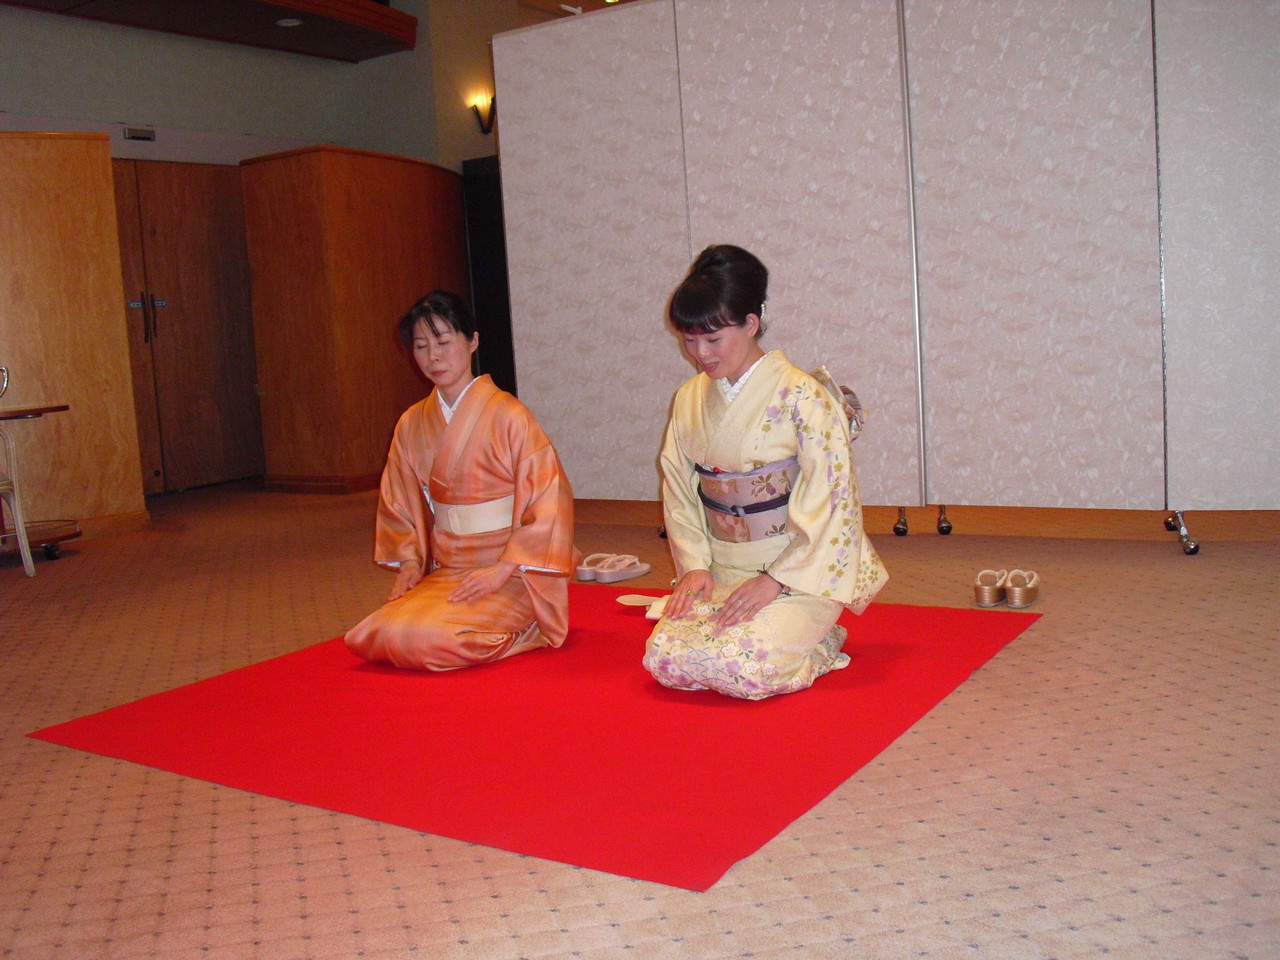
(820, 553)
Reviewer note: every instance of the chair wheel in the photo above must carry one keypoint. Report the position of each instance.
(1191, 548)
(52, 551)
(1170, 524)
(900, 527)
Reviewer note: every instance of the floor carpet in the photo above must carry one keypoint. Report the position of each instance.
(575, 755)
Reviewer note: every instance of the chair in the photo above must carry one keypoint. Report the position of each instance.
(9, 493)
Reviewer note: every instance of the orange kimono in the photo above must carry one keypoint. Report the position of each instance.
(484, 487)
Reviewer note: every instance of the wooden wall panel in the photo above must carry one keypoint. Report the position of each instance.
(61, 331)
(342, 243)
(292, 310)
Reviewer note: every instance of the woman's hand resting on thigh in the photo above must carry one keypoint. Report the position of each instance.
(747, 600)
(693, 586)
(481, 581)
(409, 576)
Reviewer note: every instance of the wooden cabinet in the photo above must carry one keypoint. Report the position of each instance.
(341, 243)
(61, 335)
(187, 308)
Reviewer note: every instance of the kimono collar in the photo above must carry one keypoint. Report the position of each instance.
(731, 390)
(446, 410)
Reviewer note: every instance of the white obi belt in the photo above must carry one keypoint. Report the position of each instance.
(467, 519)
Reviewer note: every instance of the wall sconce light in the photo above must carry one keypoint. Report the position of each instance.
(486, 117)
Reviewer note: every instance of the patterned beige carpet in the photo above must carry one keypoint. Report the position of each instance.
(1107, 785)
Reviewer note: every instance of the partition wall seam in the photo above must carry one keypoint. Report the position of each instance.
(913, 235)
(1164, 332)
(684, 151)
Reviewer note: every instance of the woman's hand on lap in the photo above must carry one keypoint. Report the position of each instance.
(693, 586)
(481, 581)
(747, 600)
(410, 576)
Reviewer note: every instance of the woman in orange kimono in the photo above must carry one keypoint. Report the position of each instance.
(475, 515)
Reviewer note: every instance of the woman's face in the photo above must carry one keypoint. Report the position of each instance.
(726, 353)
(444, 356)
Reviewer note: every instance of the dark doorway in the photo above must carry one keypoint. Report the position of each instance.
(487, 253)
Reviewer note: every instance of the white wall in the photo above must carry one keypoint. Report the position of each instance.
(99, 73)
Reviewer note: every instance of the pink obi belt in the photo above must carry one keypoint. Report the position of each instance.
(747, 506)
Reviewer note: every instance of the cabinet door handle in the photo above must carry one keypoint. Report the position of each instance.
(142, 304)
(156, 304)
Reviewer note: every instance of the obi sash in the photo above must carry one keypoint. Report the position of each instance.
(471, 518)
(747, 506)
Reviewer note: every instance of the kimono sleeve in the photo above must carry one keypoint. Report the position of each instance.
(823, 516)
(542, 531)
(403, 527)
(682, 511)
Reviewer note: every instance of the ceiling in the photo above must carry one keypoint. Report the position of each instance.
(350, 30)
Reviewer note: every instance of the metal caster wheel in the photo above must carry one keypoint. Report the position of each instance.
(52, 551)
(944, 525)
(900, 528)
(1175, 522)
(662, 532)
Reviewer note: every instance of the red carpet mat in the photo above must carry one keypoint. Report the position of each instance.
(575, 755)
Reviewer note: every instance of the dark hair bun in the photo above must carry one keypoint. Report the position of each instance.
(724, 285)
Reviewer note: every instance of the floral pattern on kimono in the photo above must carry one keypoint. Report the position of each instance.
(822, 555)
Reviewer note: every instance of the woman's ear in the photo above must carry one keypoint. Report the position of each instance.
(475, 341)
(752, 325)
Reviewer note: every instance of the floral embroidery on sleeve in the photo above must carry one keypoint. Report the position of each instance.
(808, 410)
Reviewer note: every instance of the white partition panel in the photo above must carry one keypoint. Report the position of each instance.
(1218, 74)
(1034, 142)
(794, 148)
(593, 193)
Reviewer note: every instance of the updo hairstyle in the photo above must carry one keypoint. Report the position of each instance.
(439, 309)
(724, 285)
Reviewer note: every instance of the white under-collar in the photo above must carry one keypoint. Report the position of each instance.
(731, 390)
(447, 409)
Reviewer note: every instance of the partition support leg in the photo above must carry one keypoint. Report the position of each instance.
(944, 525)
(900, 528)
(1175, 522)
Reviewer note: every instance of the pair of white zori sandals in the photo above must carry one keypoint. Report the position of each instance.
(611, 567)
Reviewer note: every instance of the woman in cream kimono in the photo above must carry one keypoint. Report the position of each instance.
(475, 515)
(760, 503)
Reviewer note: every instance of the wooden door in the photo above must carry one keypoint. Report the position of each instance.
(191, 331)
